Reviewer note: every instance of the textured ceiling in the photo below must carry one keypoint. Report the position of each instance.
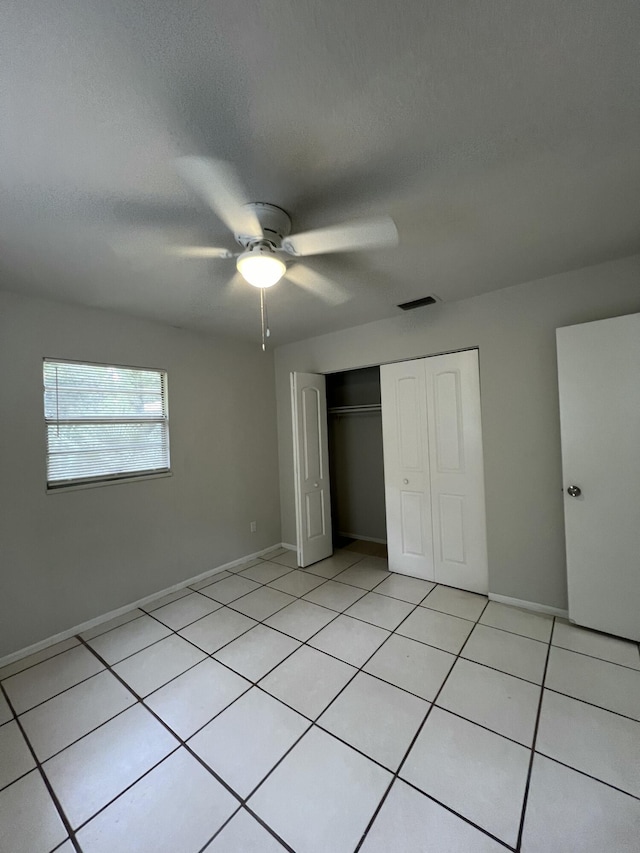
(503, 137)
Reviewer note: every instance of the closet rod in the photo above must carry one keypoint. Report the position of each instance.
(347, 410)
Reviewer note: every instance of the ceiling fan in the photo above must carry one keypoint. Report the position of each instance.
(264, 233)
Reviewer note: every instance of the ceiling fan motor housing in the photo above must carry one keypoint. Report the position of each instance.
(275, 224)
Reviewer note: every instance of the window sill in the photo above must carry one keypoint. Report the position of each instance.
(76, 487)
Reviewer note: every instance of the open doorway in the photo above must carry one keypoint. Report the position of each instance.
(356, 461)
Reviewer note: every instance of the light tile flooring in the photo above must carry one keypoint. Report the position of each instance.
(329, 710)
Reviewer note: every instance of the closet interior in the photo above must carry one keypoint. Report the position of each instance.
(356, 460)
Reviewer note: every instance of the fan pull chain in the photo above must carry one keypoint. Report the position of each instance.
(266, 331)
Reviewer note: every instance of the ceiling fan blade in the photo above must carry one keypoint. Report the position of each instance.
(217, 183)
(198, 252)
(352, 236)
(318, 285)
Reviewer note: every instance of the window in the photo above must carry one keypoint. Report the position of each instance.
(104, 422)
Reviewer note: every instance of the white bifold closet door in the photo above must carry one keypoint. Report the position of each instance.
(434, 477)
(311, 467)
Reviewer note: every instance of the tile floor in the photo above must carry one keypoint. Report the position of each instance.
(329, 710)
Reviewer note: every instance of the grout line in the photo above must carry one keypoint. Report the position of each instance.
(482, 726)
(307, 642)
(313, 722)
(18, 778)
(144, 648)
(595, 657)
(181, 743)
(515, 633)
(361, 667)
(44, 660)
(264, 622)
(494, 668)
(593, 705)
(56, 802)
(260, 585)
(55, 695)
(218, 831)
(259, 687)
(588, 775)
(258, 621)
(235, 672)
(304, 642)
(193, 621)
(445, 613)
(203, 584)
(413, 741)
(188, 593)
(452, 811)
(73, 742)
(258, 820)
(102, 808)
(137, 651)
(527, 786)
(242, 612)
(109, 668)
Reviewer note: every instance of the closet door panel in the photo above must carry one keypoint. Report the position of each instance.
(411, 516)
(447, 418)
(451, 510)
(311, 467)
(410, 453)
(406, 469)
(457, 477)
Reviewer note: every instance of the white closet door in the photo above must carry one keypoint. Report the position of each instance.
(311, 467)
(457, 474)
(406, 468)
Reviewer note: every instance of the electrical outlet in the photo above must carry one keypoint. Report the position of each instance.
(253, 527)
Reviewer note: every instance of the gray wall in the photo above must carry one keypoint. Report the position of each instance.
(357, 475)
(70, 556)
(514, 329)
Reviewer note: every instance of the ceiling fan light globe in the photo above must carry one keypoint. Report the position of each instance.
(260, 270)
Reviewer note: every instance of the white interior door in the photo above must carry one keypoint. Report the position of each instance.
(311, 467)
(406, 468)
(599, 381)
(457, 470)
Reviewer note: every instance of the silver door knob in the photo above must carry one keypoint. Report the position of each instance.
(406, 482)
(315, 485)
(574, 491)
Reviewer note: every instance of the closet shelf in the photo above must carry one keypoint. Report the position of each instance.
(352, 410)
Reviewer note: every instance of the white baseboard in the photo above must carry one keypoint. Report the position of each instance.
(528, 605)
(363, 538)
(288, 547)
(92, 623)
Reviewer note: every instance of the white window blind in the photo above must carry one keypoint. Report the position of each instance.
(104, 422)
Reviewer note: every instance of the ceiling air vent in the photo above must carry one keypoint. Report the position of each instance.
(417, 303)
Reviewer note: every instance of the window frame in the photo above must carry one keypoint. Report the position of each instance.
(107, 479)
